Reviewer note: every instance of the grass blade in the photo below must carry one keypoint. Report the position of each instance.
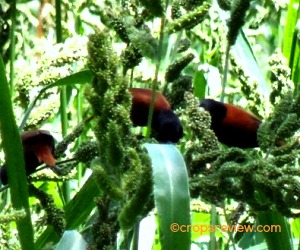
(14, 162)
(171, 193)
(291, 45)
(291, 20)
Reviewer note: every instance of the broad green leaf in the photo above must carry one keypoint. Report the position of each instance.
(15, 164)
(81, 77)
(171, 194)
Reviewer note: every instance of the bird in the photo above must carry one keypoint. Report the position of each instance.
(232, 125)
(166, 125)
(38, 148)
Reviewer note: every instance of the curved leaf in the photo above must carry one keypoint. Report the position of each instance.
(171, 193)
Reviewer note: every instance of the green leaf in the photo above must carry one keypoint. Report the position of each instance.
(276, 240)
(291, 20)
(291, 45)
(15, 164)
(199, 83)
(81, 77)
(171, 194)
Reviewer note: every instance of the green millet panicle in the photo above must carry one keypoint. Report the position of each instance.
(120, 28)
(237, 19)
(129, 181)
(55, 216)
(106, 182)
(131, 57)
(280, 77)
(128, 215)
(115, 145)
(12, 216)
(105, 229)
(286, 148)
(175, 95)
(267, 132)
(250, 89)
(86, 151)
(192, 4)
(199, 123)
(112, 127)
(288, 127)
(189, 20)
(63, 145)
(41, 114)
(174, 70)
(184, 44)
(102, 61)
(224, 4)
(155, 7)
(175, 10)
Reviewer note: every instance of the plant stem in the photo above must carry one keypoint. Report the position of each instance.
(213, 221)
(154, 85)
(224, 81)
(63, 93)
(79, 114)
(58, 21)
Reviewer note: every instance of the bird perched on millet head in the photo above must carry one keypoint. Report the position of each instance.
(38, 148)
(165, 123)
(232, 125)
